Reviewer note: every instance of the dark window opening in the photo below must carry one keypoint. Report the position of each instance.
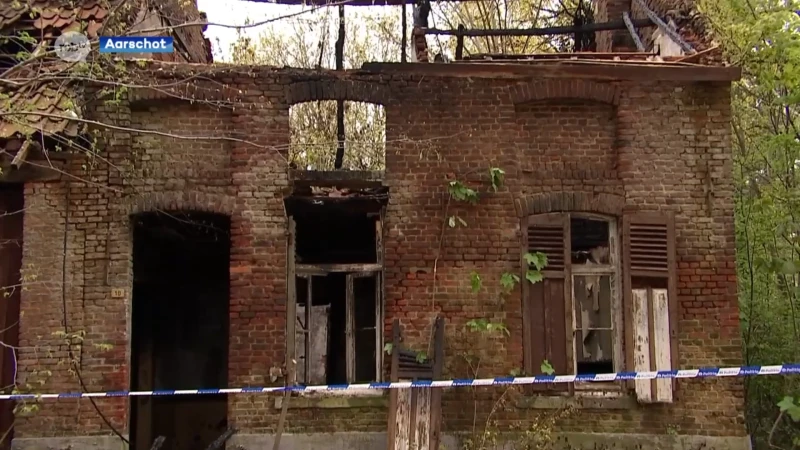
(180, 327)
(333, 235)
(327, 363)
(338, 294)
(589, 239)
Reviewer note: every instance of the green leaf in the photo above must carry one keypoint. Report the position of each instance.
(536, 259)
(788, 268)
(791, 408)
(475, 281)
(547, 368)
(421, 357)
(534, 276)
(388, 348)
(514, 372)
(496, 177)
(508, 280)
(459, 191)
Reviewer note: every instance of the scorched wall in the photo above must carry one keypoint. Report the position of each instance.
(646, 146)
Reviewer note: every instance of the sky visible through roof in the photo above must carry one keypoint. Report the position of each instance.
(238, 12)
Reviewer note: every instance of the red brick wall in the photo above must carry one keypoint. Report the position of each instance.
(648, 143)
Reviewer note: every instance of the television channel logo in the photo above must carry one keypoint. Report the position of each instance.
(72, 46)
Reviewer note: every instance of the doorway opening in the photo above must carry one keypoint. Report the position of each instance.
(12, 200)
(337, 304)
(181, 286)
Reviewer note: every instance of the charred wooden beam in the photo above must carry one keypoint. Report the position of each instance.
(460, 42)
(671, 32)
(324, 269)
(546, 31)
(632, 30)
(608, 70)
(404, 40)
(22, 154)
(340, 132)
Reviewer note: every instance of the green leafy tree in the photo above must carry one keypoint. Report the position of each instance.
(761, 37)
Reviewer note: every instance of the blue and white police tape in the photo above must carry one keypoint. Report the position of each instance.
(711, 372)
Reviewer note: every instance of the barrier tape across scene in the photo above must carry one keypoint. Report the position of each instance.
(710, 372)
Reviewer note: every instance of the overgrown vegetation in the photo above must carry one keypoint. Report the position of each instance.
(761, 36)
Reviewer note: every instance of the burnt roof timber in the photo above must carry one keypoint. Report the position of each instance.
(348, 2)
(546, 31)
(598, 70)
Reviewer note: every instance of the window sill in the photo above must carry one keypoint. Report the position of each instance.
(335, 400)
(579, 401)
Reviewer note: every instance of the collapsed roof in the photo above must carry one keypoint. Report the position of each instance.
(44, 98)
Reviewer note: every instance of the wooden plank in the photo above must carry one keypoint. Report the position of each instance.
(525, 297)
(555, 311)
(309, 332)
(545, 31)
(314, 351)
(607, 71)
(661, 337)
(393, 393)
(627, 298)
(423, 419)
(672, 296)
(328, 268)
(412, 416)
(291, 293)
(350, 331)
(641, 337)
(570, 365)
(378, 327)
(617, 311)
(436, 394)
(402, 422)
(537, 343)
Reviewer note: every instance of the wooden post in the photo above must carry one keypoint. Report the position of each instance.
(460, 43)
(340, 103)
(404, 40)
(436, 394)
(350, 353)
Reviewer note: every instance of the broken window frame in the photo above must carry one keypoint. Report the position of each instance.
(352, 271)
(567, 272)
(612, 270)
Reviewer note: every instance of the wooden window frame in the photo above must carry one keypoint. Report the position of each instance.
(353, 271)
(613, 270)
(568, 273)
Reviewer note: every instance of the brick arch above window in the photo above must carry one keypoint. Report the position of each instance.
(183, 201)
(575, 89)
(564, 201)
(348, 90)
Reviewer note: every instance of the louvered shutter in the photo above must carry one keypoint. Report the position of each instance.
(651, 301)
(544, 305)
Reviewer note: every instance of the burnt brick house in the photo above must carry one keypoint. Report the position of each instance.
(187, 253)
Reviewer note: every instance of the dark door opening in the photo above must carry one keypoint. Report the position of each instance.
(11, 214)
(181, 287)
